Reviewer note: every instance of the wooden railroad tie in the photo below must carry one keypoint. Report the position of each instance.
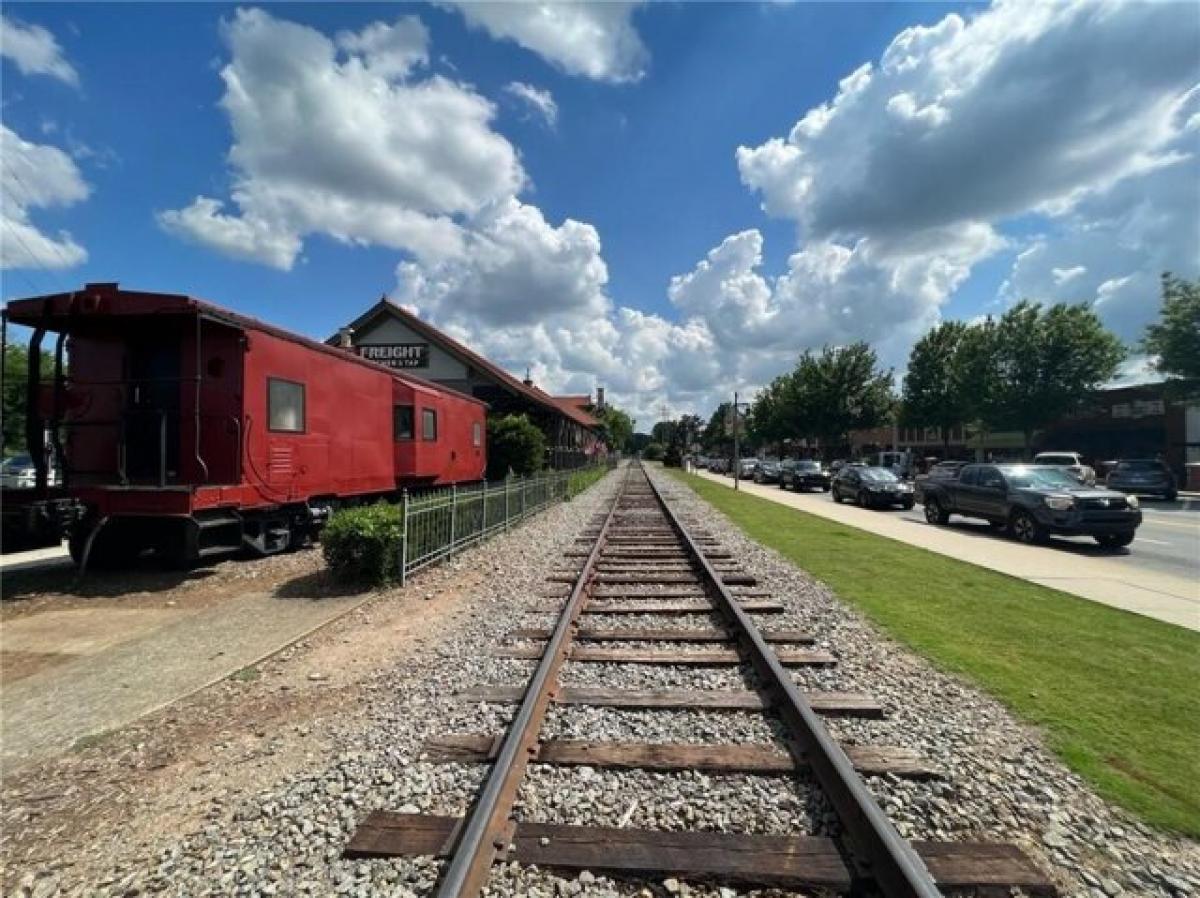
(665, 606)
(659, 634)
(843, 704)
(795, 862)
(732, 758)
(704, 658)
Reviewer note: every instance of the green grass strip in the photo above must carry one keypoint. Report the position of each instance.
(1117, 694)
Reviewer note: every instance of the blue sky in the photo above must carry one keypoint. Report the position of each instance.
(652, 104)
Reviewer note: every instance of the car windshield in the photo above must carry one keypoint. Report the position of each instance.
(1038, 478)
(1140, 465)
(878, 474)
(808, 465)
(18, 461)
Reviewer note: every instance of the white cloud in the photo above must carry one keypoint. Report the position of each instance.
(390, 51)
(398, 163)
(34, 51)
(514, 268)
(537, 101)
(1020, 108)
(906, 179)
(593, 39)
(36, 176)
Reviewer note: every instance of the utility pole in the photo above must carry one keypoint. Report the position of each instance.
(737, 460)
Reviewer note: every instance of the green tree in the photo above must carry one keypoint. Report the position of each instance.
(616, 426)
(515, 444)
(654, 452)
(639, 441)
(771, 418)
(717, 437)
(1175, 337)
(1045, 363)
(935, 393)
(839, 390)
(16, 376)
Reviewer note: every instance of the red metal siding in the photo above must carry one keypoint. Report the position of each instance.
(345, 447)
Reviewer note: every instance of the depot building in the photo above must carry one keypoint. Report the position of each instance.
(395, 337)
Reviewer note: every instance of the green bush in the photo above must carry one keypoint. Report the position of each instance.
(653, 452)
(514, 444)
(363, 544)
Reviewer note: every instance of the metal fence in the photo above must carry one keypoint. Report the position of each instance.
(440, 522)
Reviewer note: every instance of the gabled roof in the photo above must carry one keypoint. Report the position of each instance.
(473, 359)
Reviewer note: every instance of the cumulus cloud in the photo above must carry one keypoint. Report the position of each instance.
(399, 163)
(36, 176)
(594, 39)
(537, 101)
(34, 51)
(911, 173)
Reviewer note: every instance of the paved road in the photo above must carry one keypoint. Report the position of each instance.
(1158, 575)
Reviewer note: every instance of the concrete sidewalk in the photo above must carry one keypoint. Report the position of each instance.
(1169, 598)
(157, 656)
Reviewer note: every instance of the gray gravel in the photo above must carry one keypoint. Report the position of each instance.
(1000, 783)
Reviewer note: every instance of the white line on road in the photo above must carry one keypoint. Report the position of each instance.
(1154, 542)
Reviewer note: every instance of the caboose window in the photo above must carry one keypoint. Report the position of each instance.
(477, 434)
(402, 422)
(428, 424)
(285, 405)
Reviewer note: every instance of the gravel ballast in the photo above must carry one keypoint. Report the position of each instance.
(1000, 784)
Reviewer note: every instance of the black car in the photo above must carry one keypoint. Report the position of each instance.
(871, 487)
(1143, 476)
(1033, 502)
(803, 474)
(942, 471)
(767, 472)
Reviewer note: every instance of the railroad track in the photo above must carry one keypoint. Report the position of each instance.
(640, 558)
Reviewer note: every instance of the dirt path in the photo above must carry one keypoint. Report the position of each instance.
(175, 769)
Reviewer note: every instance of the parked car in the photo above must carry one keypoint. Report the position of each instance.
(718, 465)
(871, 487)
(943, 470)
(803, 474)
(1143, 476)
(1034, 501)
(1072, 462)
(767, 471)
(746, 468)
(17, 472)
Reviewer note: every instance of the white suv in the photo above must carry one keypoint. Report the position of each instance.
(1071, 462)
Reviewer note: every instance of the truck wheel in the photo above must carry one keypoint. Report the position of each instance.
(837, 497)
(1114, 540)
(934, 513)
(1026, 529)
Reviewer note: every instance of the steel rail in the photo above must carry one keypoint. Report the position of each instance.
(487, 829)
(878, 852)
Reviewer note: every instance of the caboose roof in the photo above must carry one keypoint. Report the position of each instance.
(56, 311)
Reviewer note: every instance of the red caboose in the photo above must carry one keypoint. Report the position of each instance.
(191, 430)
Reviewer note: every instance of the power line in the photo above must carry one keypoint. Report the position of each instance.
(28, 278)
(67, 263)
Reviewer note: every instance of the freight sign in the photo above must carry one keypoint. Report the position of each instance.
(397, 355)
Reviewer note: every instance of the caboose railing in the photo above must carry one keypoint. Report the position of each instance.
(441, 522)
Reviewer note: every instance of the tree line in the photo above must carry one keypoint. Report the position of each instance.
(1021, 371)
